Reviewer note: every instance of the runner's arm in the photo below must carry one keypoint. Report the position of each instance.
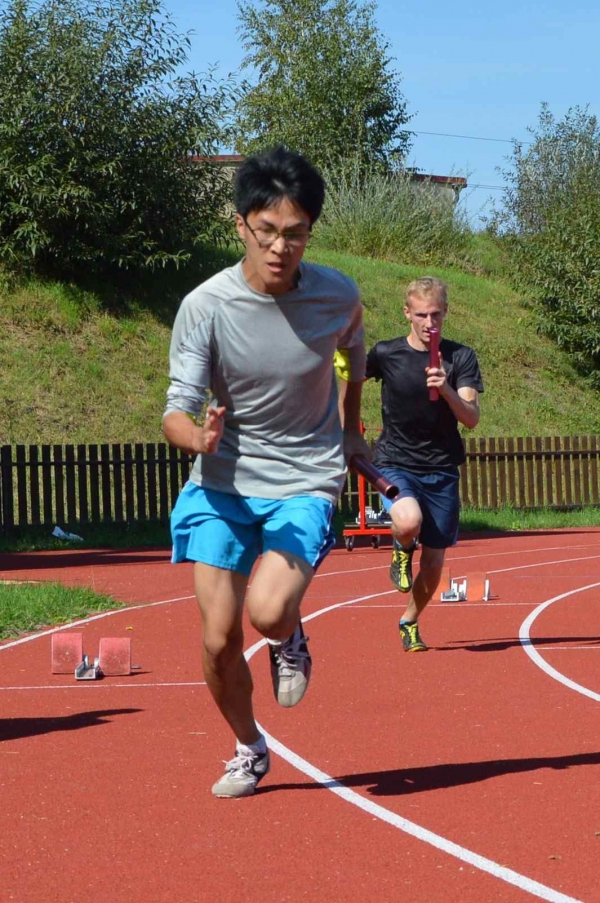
(182, 431)
(463, 403)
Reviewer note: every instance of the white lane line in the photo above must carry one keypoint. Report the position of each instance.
(379, 567)
(540, 661)
(454, 605)
(423, 834)
(101, 685)
(397, 821)
(545, 564)
(526, 551)
(487, 865)
(519, 567)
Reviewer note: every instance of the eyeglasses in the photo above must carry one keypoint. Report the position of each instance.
(267, 237)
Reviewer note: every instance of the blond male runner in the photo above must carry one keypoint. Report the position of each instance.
(420, 447)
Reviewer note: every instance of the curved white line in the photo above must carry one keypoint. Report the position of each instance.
(450, 561)
(447, 846)
(397, 821)
(545, 564)
(537, 659)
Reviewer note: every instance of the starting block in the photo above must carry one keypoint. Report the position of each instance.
(473, 587)
(115, 656)
(85, 671)
(478, 587)
(457, 591)
(67, 652)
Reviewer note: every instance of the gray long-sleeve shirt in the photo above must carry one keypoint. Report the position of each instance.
(269, 360)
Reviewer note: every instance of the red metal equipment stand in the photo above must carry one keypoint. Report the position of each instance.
(366, 526)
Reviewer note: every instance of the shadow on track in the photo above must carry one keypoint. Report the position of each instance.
(404, 781)
(17, 728)
(499, 645)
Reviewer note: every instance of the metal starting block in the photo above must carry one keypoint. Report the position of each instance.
(472, 588)
(450, 595)
(457, 591)
(85, 671)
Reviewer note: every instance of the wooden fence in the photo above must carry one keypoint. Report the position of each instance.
(70, 485)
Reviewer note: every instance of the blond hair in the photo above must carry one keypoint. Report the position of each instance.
(427, 285)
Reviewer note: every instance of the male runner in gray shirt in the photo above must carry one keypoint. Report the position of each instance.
(259, 338)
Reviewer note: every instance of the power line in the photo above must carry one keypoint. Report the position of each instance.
(469, 137)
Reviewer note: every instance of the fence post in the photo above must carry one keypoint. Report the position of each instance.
(7, 514)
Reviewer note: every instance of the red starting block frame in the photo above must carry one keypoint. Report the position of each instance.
(365, 526)
(66, 651)
(115, 656)
(67, 657)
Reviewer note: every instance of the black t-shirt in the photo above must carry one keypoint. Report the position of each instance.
(419, 435)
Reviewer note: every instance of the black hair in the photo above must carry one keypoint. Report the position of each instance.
(263, 179)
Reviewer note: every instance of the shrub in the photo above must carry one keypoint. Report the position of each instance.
(383, 214)
(551, 219)
(325, 84)
(95, 136)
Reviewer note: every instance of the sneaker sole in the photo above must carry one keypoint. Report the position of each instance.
(223, 795)
(226, 791)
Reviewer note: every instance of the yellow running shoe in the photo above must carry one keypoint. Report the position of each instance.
(401, 567)
(411, 638)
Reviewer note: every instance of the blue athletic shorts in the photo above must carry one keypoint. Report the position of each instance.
(439, 501)
(231, 531)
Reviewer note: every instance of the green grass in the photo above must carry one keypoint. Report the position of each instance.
(89, 364)
(531, 388)
(94, 536)
(157, 535)
(369, 213)
(28, 607)
(517, 520)
(80, 368)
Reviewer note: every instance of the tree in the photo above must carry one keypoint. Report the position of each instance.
(325, 87)
(550, 217)
(96, 134)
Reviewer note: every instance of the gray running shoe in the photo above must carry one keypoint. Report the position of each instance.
(242, 774)
(291, 665)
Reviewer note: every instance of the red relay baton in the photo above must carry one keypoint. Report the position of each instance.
(434, 358)
(374, 476)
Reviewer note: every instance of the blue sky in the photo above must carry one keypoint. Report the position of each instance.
(466, 71)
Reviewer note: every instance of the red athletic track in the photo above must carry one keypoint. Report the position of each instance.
(105, 786)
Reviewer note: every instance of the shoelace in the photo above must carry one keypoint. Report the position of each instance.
(240, 765)
(288, 654)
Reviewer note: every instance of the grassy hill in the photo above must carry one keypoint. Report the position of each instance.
(78, 367)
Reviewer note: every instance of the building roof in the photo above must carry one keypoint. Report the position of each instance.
(457, 183)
